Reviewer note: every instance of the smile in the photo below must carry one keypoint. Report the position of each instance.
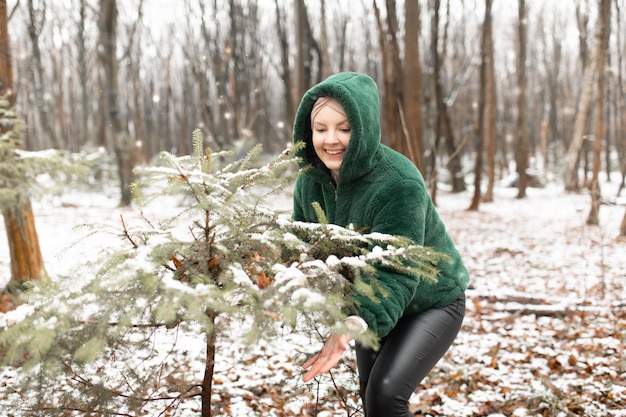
(335, 152)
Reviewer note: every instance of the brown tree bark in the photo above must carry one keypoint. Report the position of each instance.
(209, 367)
(325, 56)
(485, 105)
(396, 91)
(19, 221)
(604, 24)
(552, 54)
(83, 120)
(285, 69)
(413, 112)
(307, 49)
(35, 25)
(620, 119)
(122, 143)
(521, 142)
(490, 115)
(443, 131)
(387, 69)
(436, 86)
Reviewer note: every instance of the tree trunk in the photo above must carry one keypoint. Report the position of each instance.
(387, 68)
(620, 118)
(35, 26)
(521, 142)
(482, 107)
(122, 142)
(622, 229)
(325, 56)
(490, 113)
(580, 123)
(443, 124)
(209, 367)
(285, 69)
(413, 112)
(19, 221)
(83, 121)
(26, 259)
(396, 91)
(600, 55)
(306, 46)
(437, 129)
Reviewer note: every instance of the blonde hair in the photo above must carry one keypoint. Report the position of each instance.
(322, 102)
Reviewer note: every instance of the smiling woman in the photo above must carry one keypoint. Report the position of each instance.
(358, 181)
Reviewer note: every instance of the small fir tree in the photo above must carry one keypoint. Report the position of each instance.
(222, 260)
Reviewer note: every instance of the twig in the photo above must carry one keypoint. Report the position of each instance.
(127, 234)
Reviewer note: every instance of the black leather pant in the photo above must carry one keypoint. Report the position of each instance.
(390, 375)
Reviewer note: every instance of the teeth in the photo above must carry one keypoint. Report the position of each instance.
(334, 152)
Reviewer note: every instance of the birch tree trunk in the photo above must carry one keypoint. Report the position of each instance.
(580, 123)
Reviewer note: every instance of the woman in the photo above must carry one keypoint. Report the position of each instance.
(357, 180)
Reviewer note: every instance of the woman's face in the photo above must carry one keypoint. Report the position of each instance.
(331, 135)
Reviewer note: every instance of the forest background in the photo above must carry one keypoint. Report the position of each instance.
(516, 81)
(526, 93)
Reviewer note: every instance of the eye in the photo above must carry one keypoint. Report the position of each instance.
(345, 130)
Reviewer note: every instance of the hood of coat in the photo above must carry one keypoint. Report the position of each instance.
(358, 94)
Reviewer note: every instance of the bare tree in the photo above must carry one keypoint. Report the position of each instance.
(521, 142)
(285, 67)
(37, 15)
(620, 119)
(394, 90)
(486, 109)
(83, 120)
(413, 112)
(122, 143)
(308, 51)
(19, 220)
(443, 130)
(325, 55)
(604, 24)
(389, 118)
(580, 124)
(490, 118)
(551, 58)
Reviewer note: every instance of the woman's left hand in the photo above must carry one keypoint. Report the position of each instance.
(328, 357)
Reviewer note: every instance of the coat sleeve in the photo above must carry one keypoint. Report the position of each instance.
(405, 215)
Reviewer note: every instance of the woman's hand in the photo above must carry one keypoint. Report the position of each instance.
(328, 357)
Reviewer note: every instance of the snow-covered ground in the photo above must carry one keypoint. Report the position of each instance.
(543, 336)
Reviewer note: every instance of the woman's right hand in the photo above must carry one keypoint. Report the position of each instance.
(328, 357)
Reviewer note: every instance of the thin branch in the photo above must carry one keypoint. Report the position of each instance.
(127, 234)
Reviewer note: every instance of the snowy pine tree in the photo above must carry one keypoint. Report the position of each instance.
(216, 259)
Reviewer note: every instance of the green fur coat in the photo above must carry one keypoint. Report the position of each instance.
(379, 190)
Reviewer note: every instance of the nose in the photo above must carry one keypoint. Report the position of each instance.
(331, 137)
